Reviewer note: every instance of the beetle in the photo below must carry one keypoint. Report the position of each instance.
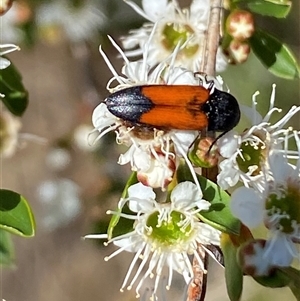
(182, 107)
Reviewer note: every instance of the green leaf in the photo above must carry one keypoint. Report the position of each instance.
(233, 272)
(131, 181)
(15, 214)
(270, 8)
(275, 55)
(15, 96)
(219, 214)
(114, 228)
(6, 249)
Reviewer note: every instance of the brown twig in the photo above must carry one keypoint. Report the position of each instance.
(197, 289)
(213, 37)
(212, 44)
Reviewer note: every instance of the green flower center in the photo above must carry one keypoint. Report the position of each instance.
(174, 33)
(250, 155)
(285, 201)
(170, 231)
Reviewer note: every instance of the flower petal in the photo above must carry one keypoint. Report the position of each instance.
(228, 144)
(184, 138)
(155, 9)
(280, 167)
(228, 176)
(185, 193)
(4, 63)
(200, 11)
(141, 192)
(209, 235)
(127, 243)
(278, 250)
(247, 205)
(102, 118)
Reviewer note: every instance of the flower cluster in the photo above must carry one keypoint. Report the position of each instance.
(259, 159)
(173, 26)
(244, 157)
(276, 205)
(153, 153)
(164, 234)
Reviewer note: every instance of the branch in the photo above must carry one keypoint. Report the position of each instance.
(213, 37)
(212, 44)
(197, 289)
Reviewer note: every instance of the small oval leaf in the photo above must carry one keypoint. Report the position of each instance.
(275, 55)
(6, 249)
(15, 96)
(233, 272)
(277, 9)
(114, 228)
(15, 214)
(219, 214)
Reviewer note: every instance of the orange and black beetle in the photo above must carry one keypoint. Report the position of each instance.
(180, 107)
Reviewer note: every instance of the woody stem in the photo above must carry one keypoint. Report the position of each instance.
(213, 37)
(212, 44)
(197, 288)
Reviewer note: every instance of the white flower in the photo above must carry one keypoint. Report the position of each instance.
(7, 48)
(80, 23)
(277, 206)
(174, 26)
(164, 234)
(145, 143)
(145, 146)
(245, 155)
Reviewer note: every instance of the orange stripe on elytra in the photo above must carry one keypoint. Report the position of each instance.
(176, 95)
(175, 118)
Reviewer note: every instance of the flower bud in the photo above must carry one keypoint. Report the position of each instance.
(5, 5)
(252, 259)
(240, 25)
(238, 51)
(204, 154)
(160, 173)
(24, 13)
